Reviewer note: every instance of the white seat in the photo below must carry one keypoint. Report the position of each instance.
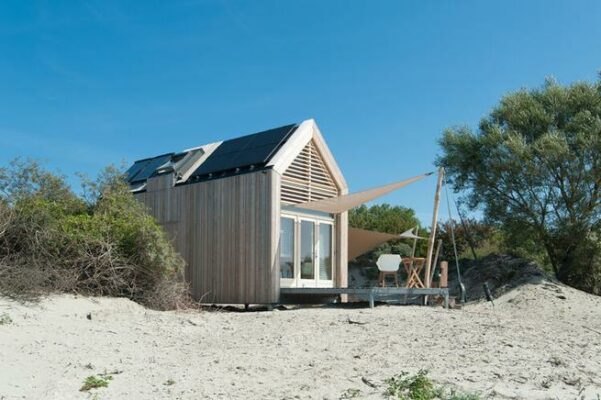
(389, 262)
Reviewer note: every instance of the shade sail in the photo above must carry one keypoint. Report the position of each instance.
(345, 202)
(409, 234)
(361, 241)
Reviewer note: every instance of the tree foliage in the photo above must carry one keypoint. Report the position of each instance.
(472, 233)
(533, 166)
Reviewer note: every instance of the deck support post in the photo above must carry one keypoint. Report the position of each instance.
(371, 299)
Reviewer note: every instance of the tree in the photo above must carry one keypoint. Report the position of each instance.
(534, 167)
(23, 179)
(470, 233)
(383, 218)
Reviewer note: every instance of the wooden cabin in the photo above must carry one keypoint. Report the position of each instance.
(230, 209)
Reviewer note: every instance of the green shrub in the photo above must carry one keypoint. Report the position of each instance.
(371, 273)
(101, 244)
(5, 319)
(94, 382)
(417, 387)
(484, 238)
(420, 387)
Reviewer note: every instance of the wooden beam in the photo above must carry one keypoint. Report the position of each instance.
(444, 274)
(434, 226)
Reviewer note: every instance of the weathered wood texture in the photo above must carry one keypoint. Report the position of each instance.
(227, 230)
(308, 178)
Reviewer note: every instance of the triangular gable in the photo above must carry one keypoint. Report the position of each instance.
(308, 178)
(308, 134)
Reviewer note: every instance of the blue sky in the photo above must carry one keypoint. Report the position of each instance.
(87, 83)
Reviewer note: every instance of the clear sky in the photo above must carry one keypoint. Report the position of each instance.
(87, 83)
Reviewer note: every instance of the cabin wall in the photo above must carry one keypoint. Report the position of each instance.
(163, 204)
(227, 230)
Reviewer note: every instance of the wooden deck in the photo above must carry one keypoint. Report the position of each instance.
(371, 293)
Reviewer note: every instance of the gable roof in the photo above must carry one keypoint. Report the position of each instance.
(306, 132)
(274, 148)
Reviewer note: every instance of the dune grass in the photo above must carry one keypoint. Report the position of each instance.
(419, 387)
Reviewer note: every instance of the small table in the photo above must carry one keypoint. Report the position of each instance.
(413, 267)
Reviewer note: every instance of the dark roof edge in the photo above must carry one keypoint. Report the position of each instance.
(171, 153)
(225, 175)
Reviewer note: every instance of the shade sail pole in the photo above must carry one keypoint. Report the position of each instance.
(433, 229)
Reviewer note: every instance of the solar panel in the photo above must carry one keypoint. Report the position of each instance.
(230, 156)
(255, 149)
(149, 167)
(131, 173)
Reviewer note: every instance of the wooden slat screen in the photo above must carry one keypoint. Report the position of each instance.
(307, 178)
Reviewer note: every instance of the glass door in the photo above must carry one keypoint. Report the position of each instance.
(287, 252)
(326, 250)
(306, 252)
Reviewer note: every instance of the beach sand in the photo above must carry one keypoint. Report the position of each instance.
(539, 341)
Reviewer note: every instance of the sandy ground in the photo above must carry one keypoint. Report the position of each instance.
(538, 342)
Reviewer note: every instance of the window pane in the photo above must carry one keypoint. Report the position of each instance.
(325, 252)
(287, 248)
(307, 246)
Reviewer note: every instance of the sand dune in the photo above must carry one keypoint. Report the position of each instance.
(539, 342)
